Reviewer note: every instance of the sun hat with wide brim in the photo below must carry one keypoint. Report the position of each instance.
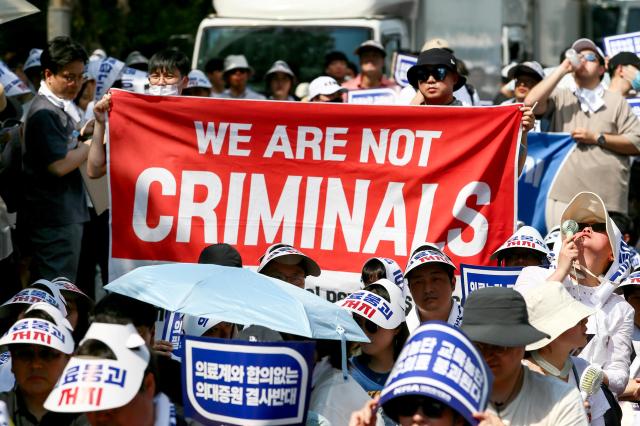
(553, 311)
(498, 316)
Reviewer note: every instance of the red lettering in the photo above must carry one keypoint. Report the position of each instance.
(69, 396)
(26, 335)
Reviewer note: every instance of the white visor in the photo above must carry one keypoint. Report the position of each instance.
(387, 315)
(90, 384)
(36, 331)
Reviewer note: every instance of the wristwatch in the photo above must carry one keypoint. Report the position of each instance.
(601, 141)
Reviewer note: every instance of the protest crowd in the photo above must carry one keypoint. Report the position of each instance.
(557, 346)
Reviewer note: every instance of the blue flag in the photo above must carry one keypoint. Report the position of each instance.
(475, 277)
(242, 383)
(546, 152)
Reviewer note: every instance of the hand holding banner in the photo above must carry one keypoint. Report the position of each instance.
(245, 383)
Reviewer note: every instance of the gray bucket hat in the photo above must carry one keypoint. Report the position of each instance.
(498, 316)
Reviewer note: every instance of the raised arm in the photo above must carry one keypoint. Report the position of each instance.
(540, 92)
(97, 161)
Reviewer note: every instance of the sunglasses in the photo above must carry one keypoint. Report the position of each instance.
(438, 73)
(366, 325)
(590, 57)
(409, 406)
(595, 227)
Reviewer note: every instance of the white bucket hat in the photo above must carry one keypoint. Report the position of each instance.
(94, 384)
(526, 237)
(37, 331)
(234, 62)
(386, 314)
(588, 207)
(198, 79)
(289, 255)
(324, 86)
(552, 310)
(280, 66)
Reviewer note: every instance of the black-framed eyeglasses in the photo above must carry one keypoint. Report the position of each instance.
(600, 227)
(366, 324)
(438, 73)
(408, 406)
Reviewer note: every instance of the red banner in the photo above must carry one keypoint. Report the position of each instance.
(340, 182)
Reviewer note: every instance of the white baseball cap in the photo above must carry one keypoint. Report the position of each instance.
(198, 79)
(324, 86)
(94, 384)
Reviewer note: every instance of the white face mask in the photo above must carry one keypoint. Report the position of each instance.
(166, 90)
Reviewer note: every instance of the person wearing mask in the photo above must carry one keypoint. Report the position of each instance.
(387, 335)
(53, 208)
(372, 55)
(236, 76)
(40, 344)
(553, 311)
(602, 124)
(286, 263)
(619, 66)
(497, 322)
(325, 89)
(431, 281)
(198, 85)
(280, 81)
(168, 76)
(524, 248)
(587, 263)
(214, 69)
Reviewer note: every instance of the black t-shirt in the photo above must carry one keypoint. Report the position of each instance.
(49, 200)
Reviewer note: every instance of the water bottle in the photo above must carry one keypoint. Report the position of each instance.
(573, 57)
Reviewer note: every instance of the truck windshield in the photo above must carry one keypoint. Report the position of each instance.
(303, 48)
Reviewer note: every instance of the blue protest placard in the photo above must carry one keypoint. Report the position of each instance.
(246, 383)
(401, 65)
(629, 42)
(170, 329)
(546, 153)
(634, 103)
(474, 277)
(372, 97)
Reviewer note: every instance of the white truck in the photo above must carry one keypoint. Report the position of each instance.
(486, 34)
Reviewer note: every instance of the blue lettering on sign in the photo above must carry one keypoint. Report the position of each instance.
(227, 381)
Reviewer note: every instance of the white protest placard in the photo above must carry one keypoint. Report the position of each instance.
(372, 97)
(629, 42)
(401, 64)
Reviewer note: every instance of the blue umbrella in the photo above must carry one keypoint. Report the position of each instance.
(238, 296)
